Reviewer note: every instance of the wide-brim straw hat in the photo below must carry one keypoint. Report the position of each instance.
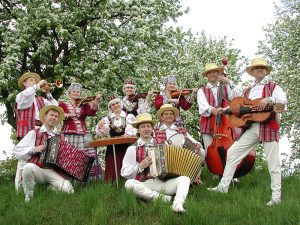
(58, 109)
(27, 75)
(167, 107)
(258, 62)
(143, 118)
(210, 67)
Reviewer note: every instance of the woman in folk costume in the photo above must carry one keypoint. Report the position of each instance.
(117, 123)
(74, 126)
(28, 104)
(180, 102)
(132, 103)
(265, 132)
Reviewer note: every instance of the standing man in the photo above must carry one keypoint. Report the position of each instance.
(136, 164)
(28, 104)
(207, 98)
(31, 145)
(267, 132)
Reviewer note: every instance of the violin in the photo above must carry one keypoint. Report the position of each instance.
(135, 97)
(182, 92)
(243, 111)
(80, 101)
(223, 137)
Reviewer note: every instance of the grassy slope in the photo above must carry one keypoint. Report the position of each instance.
(99, 203)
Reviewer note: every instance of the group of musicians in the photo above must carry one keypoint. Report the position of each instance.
(37, 117)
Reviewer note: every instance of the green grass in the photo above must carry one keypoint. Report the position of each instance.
(100, 203)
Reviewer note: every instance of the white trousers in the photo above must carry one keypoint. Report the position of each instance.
(241, 148)
(33, 174)
(207, 140)
(151, 188)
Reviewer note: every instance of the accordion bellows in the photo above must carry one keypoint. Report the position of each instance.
(68, 159)
(171, 161)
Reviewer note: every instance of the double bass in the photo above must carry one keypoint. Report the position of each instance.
(224, 136)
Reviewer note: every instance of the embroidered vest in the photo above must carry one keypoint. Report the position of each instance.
(26, 117)
(40, 137)
(140, 156)
(268, 131)
(161, 135)
(206, 126)
(130, 107)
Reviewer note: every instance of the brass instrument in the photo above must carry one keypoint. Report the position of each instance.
(57, 84)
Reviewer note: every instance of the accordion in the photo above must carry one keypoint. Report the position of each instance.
(66, 158)
(171, 161)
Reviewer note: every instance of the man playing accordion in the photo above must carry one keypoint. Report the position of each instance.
(32, 144)
(136, 165)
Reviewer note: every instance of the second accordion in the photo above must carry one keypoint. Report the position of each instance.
(171, 161)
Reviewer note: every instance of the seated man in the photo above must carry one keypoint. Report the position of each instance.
(32, 145)
(136, 169)
(166, 129)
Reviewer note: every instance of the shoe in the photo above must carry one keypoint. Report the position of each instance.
(165, 198)
(235, 180)
(178, 207)
(28, 198)
(273, 202)
(218, 189)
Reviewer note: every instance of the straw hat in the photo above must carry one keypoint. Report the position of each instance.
(45, 109)
(27, 75)
(167, 107)
(211, 67)
(143, 118)
(258, 62)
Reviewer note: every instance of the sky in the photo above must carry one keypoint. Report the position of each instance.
(240, 20)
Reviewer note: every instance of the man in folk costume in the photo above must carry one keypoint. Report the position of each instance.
(28, 104)
(267, 132)
(74, 127)
(180, 102)
(132, 104)
(166, 129)
(136, 169)
(207, 98)
(32, 144)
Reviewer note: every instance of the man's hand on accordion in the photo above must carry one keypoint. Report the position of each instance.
(146, 162)
(40, 148)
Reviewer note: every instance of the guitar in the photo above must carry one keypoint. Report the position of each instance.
(243, 111)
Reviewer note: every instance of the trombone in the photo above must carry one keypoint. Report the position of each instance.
(57, 84)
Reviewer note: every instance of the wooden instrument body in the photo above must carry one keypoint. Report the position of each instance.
(244, 111)
(112, 141)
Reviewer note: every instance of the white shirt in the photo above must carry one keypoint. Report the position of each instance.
(170, 131)
(130, 167)
(278, 95)
(25, 99)
(204, 108)
(129, 130)
(23, 149)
